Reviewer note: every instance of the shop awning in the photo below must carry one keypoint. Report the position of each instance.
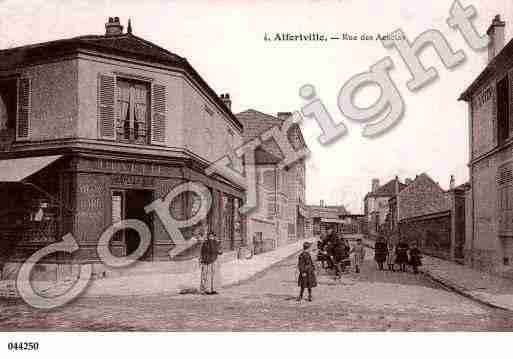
(17, 169)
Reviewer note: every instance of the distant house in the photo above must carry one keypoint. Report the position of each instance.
(376, 206)
(490, 116)
(424, 214)
(323, 217)
(279, 217)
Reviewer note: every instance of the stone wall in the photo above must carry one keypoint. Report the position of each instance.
(431, 234)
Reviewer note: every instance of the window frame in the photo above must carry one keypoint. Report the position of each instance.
(133, 80)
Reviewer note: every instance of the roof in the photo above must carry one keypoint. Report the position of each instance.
(255, 123)
(463, 187)
(501, 58)
(126, 45)
(387, 190)
(265, 122)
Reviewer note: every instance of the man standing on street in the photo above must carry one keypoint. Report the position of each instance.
(306, 277)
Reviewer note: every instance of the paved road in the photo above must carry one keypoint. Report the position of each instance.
(367, 301)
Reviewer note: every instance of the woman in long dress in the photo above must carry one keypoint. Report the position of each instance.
(401, 255)
(210, 269)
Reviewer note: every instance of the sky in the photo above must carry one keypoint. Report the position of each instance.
(224, 42)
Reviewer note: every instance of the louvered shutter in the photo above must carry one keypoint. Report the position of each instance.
(106, 106)
(158, 115)
(504, 199)
(23, 109)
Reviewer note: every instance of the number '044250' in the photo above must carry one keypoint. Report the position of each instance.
(19, 346)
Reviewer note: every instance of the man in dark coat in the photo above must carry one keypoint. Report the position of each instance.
(306, 277)
(380, 252)
(210, 271)
(339, 256)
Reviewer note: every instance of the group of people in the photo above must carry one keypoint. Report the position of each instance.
(400, 254)
(335, 253)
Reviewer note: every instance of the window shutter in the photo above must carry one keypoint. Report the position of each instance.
(106, 101)
(23, 110)
(158, 115)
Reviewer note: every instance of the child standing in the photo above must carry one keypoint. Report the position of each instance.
(391, 257)
(306, 268)
(358, 255)
(380, 252)
(415, 259)
(401, 255)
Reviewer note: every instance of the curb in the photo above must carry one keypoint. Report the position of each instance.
(448, 285)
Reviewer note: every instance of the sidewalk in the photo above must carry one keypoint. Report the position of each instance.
(232, 272)
(480, 286)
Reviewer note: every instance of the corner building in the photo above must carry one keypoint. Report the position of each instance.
(92, 129)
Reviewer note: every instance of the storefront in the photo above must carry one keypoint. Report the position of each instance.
(46, 197)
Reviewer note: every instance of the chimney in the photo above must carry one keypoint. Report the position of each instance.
(283, 115)
(407, 181)
(375, 184)
(322, 203)
(129, 27)
(113, 27)
(452, 183)
(396, 184)
(496, 35)
(226, 100)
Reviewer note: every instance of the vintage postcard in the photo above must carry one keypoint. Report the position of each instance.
(255, 166)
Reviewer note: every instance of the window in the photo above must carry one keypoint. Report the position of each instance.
(128, 113)
(15, 106)
(8, 105)
(132, 111)
(503, 110)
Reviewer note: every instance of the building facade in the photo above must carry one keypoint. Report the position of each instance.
(279, 217)
(323, 217)
(489, 245)
(375, 204)
(93, 129)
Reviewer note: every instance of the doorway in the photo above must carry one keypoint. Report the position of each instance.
(129, 204)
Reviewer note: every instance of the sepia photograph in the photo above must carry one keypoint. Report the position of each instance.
(225, 168)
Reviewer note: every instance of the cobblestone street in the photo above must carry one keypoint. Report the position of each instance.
(367, 301)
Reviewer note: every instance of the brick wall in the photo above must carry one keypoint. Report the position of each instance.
(422, 197)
